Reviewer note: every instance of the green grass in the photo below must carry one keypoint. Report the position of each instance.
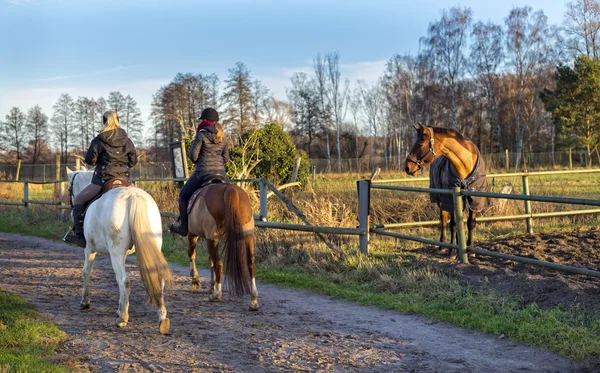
(24, 339)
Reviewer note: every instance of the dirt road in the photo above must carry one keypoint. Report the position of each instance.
(294, 330)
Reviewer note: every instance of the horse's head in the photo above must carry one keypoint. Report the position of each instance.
(78, 180)
(423, 150)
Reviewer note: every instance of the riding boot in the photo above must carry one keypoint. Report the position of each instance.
(75, 235)
(180, 227)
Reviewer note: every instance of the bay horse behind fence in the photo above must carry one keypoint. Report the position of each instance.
(222, 211)
(455, 161)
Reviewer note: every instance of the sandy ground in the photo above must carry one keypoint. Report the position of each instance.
(294, 330)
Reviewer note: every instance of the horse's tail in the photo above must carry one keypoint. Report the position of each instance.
(236, 263)
(154, 269)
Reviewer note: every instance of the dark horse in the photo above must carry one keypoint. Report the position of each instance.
(224, 211)
(455, 161)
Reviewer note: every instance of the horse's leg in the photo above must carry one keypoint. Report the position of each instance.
(444, 221)
(118, 264)
(211, 263)
(471, 224)
(87, 271)
(192, 240)
(217, 269)
(453, 237)
(250, 253)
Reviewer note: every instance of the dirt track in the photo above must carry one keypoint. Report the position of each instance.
(293, 331)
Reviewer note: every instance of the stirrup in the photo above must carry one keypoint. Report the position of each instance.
(72, 238)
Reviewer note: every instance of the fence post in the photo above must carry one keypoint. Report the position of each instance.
(263, 202)
(18, 170)
(364, 218)
(26, 199)
(77, 164)
(570, 158)
(460, 226)
(314, 175)
(506, 160)
(528, 220)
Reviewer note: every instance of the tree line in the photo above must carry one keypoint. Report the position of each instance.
(73, 124)
(523, 85)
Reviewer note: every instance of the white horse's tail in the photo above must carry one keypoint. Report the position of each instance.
(154, 269)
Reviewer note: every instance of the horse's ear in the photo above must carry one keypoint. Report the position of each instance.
(69, 172)
(419, 127)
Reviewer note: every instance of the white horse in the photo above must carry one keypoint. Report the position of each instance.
(121, 222)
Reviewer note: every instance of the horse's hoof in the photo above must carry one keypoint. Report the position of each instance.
(121, 323)
(253, 306)
(214, 298)
(211, 290)
(84, 306)
(195, 284)
(164, 326)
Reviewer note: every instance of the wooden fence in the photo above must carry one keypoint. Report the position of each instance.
(365, 228)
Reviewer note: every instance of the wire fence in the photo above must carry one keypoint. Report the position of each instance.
(501, 162)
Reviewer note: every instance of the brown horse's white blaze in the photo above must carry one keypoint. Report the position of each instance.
(223, 211)
(462, 154)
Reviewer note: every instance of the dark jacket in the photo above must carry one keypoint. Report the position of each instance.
(113, 154)
(208, 155)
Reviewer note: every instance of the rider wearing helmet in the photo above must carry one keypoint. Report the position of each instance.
(209, 152)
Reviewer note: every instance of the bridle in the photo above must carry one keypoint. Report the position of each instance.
(419, 162)
(71, 188)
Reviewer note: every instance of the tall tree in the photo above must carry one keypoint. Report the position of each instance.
(260, 98)
(527, 46)
(325, 108)
(101, 107)
(239, 98)
(487, 54)
(304, 99)
(116, 101)
(63, 124)
(12, 133)
(84, 117)
(447, 39)
(575, 103)
(337, 94)
(37, 126)
(372, 101)
(131, 120)
(582, 26)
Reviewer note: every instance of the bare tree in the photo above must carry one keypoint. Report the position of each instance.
(306, 114)
(63, 123)
(116, 101)
(279, 111)
(131, 120)
(101, 106)
(447, 39)
(487, 53)
(37, 126)
(582, 27)
(527, 46)
(239, 98)
(372, 101)
(324, 106)
(337, 94)
(260, 97)
(12, 132)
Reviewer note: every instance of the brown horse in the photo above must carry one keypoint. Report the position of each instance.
(224, 211)
(455, 161)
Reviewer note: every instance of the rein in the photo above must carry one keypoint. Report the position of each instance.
(431, 150)
(71, 188)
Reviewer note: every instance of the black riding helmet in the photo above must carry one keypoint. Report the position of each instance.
(210, 114)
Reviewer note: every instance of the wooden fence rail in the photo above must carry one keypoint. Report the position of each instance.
(365, 228)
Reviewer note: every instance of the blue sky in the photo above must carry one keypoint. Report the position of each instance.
(92, 47)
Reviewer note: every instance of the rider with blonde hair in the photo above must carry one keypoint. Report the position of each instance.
(113, 154)
(209, 152)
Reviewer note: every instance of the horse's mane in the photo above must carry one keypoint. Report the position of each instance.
(448, 132)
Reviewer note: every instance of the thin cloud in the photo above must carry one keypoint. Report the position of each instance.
(99, 72)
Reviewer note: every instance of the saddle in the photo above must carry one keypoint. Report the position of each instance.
(115, 182)
(206, 180)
